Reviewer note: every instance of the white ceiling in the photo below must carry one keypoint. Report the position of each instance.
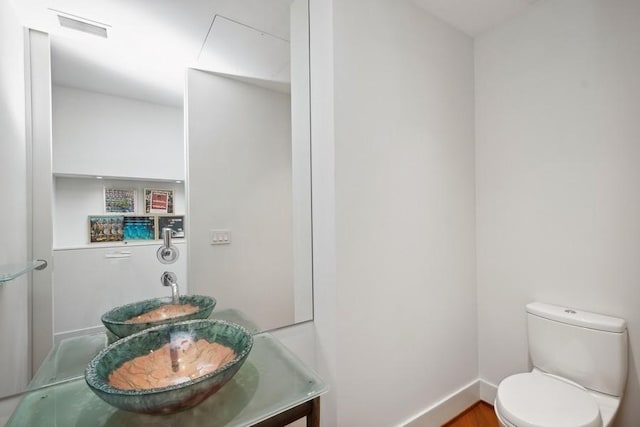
(474, 17)
(150, 42)
(234, 48)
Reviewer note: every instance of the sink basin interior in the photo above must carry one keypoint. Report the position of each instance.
(180, 360)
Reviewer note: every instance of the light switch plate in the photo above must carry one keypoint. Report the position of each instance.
(220, 237)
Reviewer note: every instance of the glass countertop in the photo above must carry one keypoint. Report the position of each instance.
(272, 380)
(69, 358)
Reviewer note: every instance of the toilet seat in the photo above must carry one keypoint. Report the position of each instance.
(539, 400)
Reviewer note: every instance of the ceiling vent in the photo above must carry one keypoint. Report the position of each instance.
(81, 24)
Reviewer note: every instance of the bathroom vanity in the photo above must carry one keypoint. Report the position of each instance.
(273, 388)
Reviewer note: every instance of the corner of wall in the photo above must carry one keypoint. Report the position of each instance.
(488, 391)
(323, 199)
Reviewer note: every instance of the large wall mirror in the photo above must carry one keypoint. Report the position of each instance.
(208, 99)
(248, 157)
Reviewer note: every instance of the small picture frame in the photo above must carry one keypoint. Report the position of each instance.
(118, 200)
(106, 228)
(139, 227)
(158, 201)
(174, 222)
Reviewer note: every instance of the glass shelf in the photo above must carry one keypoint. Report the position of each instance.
(13, 271)
(124, 244)
(58, 174)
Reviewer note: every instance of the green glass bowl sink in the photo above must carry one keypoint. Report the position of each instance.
(169, 368)
(117, 320)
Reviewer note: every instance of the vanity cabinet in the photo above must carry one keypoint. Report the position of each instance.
(90, 281)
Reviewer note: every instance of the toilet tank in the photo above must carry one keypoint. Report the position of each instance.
(588, 348)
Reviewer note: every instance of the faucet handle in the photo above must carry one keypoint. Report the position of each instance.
(166, 236)
(167, 253)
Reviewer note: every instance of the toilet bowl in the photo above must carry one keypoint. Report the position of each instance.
(537, 399)
(579, 371)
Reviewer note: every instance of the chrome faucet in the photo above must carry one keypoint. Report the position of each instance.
(169, 278)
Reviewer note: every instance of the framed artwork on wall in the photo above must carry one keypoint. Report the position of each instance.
(106, 228)
(174, 222)
(139, 227)
(158, 201)
(118, 200)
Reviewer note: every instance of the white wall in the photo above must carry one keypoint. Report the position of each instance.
(104, 135)
(14, 307)
(558, 206)
(405, 245)
(239, 158)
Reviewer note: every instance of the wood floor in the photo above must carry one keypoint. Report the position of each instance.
(480, 414)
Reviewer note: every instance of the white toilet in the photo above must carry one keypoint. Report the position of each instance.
(579, 371)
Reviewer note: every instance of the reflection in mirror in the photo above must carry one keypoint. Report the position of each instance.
(248, 156)
(119, 116)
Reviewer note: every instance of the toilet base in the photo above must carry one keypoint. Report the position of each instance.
(501, 421)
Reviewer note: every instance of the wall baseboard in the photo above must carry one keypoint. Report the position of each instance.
(488, 391)
(447, 408)
(454, 404)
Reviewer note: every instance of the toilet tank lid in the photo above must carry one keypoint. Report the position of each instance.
(577, 317)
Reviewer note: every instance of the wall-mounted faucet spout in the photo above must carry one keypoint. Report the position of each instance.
(169, 278)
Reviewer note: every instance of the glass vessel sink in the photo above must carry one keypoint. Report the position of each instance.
(128, 319)
(169, 368)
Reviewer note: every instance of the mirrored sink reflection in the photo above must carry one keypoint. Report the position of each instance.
(128, 319)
